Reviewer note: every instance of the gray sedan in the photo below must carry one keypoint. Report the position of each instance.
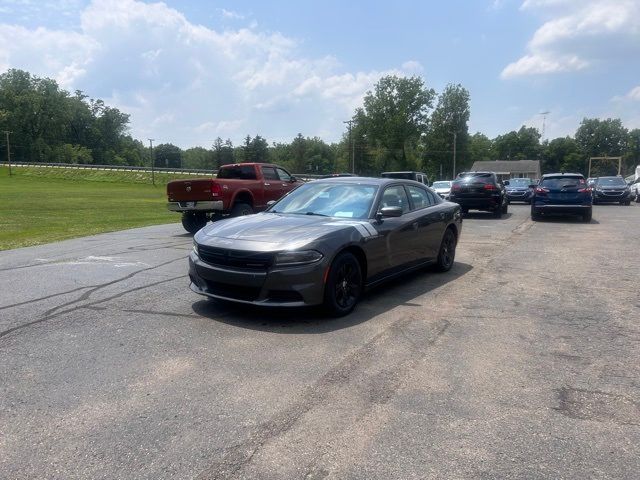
(325, 243)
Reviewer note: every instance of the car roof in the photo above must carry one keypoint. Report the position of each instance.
(611, 176)
(366, 180)
(562, 175)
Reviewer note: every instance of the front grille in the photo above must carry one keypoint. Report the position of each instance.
(612, 194)
(241, 259)
(238, 292)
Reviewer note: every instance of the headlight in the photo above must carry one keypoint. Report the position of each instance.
(302, 257)
(195, 247)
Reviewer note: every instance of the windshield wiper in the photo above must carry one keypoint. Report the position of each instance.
(318, 214)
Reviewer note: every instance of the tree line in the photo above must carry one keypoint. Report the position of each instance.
(402, 125)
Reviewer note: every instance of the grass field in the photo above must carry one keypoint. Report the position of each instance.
(45, 205)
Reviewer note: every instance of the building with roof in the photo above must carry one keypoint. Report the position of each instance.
(506, 169)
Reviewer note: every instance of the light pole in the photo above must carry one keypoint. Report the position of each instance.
(7, 132)
(153, 178)
(353, 148)
(455, 136)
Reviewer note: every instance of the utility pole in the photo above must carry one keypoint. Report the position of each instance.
(455, 136)
(7, 132)
(153, 178)
(352, 149)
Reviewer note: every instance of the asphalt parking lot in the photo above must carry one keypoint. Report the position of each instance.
(523, 361)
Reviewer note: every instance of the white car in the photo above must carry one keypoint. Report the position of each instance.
(635, 190)
(442, 188)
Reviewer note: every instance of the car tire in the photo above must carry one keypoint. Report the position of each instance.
(535, 214)
(587, 216)
(637, 197)
(505, 208)
(497, 213)
(627, 202)
(241, 209)
(447, 252)
(192, 222)
(464, 210)
(343, 288)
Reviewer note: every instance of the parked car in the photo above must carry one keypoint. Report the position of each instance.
(479, 191)
(238, 189)
(564, 193)
(442, 188)
(611, 190)
(519, 190)
(591, 181)
(634, 190)
(325, 243)
(407, 175)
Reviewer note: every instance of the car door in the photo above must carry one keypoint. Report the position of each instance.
(272, 185)
(395, 235)
(286, 182)
(430, 217)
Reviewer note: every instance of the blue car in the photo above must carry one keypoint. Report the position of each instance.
(562, 193)
(519, 190)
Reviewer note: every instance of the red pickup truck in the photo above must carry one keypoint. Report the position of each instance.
(239, 189)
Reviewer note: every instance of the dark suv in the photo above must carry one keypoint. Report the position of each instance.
(562, 193)
(611, 189)
(479, 191)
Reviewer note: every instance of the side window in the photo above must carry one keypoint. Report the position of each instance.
(284, 176)
(395, 197)
(434, 197)
(269, 173)
(420, 198)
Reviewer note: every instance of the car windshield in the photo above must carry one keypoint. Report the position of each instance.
(611, 182)
(562, 182)
(441, 185)
(475, 178)
(519, 182)
(344, 200)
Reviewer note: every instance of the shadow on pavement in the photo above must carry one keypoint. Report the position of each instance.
(485, 216)
(559, 218)
(311, 320)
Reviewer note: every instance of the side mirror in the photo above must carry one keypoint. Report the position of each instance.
(293, 179)
(270, 203)
(505, 183)
(390, 212)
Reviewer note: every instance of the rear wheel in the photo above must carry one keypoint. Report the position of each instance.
(344, 285)
(627, 202)
(505, 208)
(535, 214)
(498, 212)
(241, 209)
(447, 253)
(587, 216)
(192, 222)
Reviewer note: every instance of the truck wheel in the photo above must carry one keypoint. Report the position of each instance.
(192, 222)
(240, 209)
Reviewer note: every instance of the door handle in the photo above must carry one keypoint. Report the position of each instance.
(267, 184)
(442, 215)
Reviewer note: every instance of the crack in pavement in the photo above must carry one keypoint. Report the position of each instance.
(350, 377)
(58, 310)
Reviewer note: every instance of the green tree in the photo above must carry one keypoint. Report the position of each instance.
(559, 154)
(167, 155)
(521, 145)
(480, 148)
(394, 116)
(449, 121)
(599, 138)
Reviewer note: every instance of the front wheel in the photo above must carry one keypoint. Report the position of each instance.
(447, 252)
(192, 222)
(344, 285)
(627, 202)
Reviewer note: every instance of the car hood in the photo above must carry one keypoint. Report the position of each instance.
(274, 231)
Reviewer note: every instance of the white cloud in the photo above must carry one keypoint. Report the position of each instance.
(230, 14)
(187, 84)
(578, 34)
(634, 94)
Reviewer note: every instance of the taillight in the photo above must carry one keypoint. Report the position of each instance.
(542, 190)
(585, 190)
(489, 186)
(216, 189)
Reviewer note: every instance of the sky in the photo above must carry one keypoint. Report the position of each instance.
(190, 71)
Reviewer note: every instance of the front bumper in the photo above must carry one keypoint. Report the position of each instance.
(604, 196)
(206, 206)
(276, 287)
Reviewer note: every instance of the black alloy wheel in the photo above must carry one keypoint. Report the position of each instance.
(192, 222)
(447, 252)
(344, 285)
